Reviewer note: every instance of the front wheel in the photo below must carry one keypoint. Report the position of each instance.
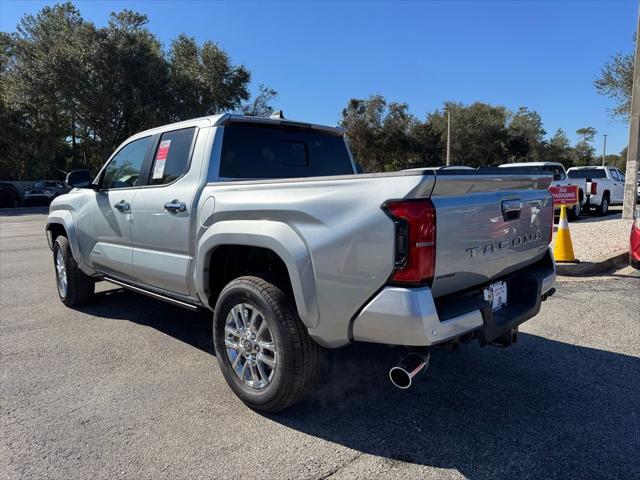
(74, 286)
(264, 351)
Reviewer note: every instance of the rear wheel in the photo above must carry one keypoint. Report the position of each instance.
(575, 212)
(74, 286)
(264, 351)
(603, 209)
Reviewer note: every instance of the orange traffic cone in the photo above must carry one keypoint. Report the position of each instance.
(563, 249)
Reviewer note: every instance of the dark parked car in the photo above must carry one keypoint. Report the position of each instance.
(9, 196)
(44, 191)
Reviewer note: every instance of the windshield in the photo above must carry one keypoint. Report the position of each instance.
(587, 173)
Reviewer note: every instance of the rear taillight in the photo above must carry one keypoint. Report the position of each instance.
(594, 188)
(415, 240)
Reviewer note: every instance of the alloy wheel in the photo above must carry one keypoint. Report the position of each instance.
(61, 273)
(250, 346)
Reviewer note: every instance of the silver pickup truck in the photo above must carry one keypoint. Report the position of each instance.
(266, 223)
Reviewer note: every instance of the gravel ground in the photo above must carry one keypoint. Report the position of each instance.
(595, 238)
(128, 387)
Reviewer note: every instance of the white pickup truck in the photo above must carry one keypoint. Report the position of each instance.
(605, 186)
(560, 179)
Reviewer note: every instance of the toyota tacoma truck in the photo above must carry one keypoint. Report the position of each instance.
(266, 223)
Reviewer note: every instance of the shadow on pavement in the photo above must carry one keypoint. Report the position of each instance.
(541, 409)
(119, 304)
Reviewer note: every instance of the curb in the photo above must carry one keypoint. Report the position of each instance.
(616, 260)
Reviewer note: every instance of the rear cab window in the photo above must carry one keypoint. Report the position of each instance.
(262, 151)
(588, 173)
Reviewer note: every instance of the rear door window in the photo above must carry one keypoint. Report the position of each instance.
(254, 151)
(614, 175)
(172, 155)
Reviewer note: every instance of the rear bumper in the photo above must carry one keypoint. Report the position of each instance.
(412, 317)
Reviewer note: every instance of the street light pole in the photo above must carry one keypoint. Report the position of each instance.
(448, 137)
(631, 177)
(604, 149)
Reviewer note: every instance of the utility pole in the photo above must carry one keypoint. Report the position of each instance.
(448, 137)
(604, 149)
(631, 176)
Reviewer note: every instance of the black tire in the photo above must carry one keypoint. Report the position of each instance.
(603, 208)
(298, 356)
(80, 287)
(575, 212)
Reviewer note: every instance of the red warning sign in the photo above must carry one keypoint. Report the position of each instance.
(564, 194)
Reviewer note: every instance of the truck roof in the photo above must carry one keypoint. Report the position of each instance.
(531, 164)
(225, 118)
(591, 167)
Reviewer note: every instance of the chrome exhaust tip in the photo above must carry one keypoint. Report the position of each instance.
(402, 374)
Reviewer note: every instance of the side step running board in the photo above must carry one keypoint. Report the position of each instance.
(158, 296)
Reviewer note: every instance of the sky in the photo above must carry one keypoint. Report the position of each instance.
(543, 55)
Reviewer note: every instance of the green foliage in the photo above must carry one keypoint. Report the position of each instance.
(260, 105)
(616, 82)
(71, 92)
(385, 136)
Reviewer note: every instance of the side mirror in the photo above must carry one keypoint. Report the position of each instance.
(79, 179)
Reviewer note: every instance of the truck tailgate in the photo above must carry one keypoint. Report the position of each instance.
(488, 226)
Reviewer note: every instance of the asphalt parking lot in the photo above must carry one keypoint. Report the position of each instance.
(128, 387)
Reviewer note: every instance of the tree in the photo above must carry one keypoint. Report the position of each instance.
(584, 153)
(71, 92)
(616, 82)
(478, 132)
(587, 133)
(260, 105)
(203, 80)
(39, 82)
(380, 134)
(126, 83)
(526, 135)
(558, 149)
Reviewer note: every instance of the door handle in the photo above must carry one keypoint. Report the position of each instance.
(511, 209)
(122, 206)
(175, 206)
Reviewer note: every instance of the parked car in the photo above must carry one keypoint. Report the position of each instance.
(9, 196)
(605, 186)
(265, 223)
(559, 179)
(44, 191)
(634, 242)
